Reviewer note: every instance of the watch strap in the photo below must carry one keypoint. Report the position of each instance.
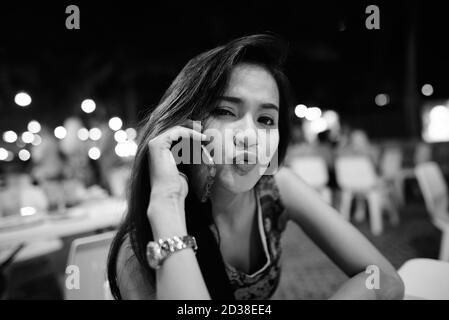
(158, 251)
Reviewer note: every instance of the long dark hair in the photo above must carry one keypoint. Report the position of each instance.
(193, 95)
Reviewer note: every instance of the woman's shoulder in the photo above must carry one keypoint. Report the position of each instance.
(273, 184)
(131, 276)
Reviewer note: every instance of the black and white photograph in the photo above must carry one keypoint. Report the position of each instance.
(220, 150)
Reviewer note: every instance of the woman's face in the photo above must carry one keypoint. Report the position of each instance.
(244, 126)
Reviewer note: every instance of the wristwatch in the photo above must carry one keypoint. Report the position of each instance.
(158, 251)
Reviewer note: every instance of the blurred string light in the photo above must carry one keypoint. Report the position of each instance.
(60, 132)
(27, 137)
(34, 126)
(37, 140)
(318, 125)
(126, 149)
(131, 133)
(438, 130)
(88, 106)
(83, 134)
(300, 110)
(382, 99)
(95, 134)
(438, 112)
(10, 136)
(427, 90)
(22, 99)
(27, 211)
(120, 136)
(331, 118)
(313, 113)
(320, 121)
(24, 155)
(94, 153)
(115, 123)
(3, 154)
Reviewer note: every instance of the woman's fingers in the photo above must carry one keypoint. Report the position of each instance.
(162, 161)
(165, 139)
(182, 132)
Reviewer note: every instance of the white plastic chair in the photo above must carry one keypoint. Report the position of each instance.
(422, 154)
(89, 255)
(313, 171)
(357, 178)
(435, 193)
(425, 279)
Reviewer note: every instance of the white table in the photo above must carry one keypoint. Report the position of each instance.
(94, 215)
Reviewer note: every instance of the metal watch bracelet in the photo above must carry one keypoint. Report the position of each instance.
(158, 251)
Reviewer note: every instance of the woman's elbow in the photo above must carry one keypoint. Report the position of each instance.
(392, 287)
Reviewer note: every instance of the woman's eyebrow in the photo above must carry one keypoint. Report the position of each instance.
(269, 106)
(237, 100)
(231, 99)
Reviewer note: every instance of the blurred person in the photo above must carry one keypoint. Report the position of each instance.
(48, 167)
(237, 86)
(47, 159)
(298, 145)
(359, 144)
(325, 147)
(20, 193)
(77, 164)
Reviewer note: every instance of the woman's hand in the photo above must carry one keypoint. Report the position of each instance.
(166, 215)
(168, 187)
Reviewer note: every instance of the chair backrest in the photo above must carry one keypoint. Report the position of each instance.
(89, 255)
(391, 162)
(311, 169)
(433, 186)
(423, 153)
(355, 173)
(425, 279)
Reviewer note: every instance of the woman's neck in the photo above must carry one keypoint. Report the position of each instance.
(232, 209)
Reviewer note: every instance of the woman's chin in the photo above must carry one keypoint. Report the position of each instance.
(238, 178)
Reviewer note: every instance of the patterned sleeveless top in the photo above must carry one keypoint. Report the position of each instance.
(272, 220)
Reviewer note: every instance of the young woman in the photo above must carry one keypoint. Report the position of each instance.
(237, 88)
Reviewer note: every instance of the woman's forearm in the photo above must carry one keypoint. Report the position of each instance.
(179, 277)
(358, 288)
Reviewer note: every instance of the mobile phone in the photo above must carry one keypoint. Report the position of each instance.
(201, 176)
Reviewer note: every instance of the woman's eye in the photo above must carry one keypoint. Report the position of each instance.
(223, 112)
(267, 121)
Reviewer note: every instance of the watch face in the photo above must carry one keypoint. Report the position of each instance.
(154, 255)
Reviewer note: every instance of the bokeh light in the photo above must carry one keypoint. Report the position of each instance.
(10, 136)
(88, 106)
(34, 126)
(115, 123)
(22, 99)
(24, 155)
(94, 153)
(60, 132)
